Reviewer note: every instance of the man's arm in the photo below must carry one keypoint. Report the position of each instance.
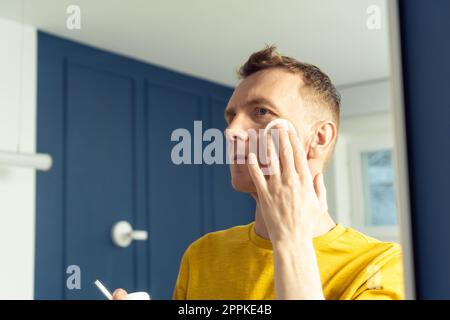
(291, 202)
(296, 271)
(385, 278)
(180, 290)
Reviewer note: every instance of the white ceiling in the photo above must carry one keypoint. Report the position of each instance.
(212, 38)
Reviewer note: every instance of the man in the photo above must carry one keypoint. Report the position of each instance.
(293, 249)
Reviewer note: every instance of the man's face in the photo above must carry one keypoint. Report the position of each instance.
(257, 100)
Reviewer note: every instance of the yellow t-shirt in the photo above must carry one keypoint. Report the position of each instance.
(238, 264)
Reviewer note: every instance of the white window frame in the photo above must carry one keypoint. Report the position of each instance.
(356, 147)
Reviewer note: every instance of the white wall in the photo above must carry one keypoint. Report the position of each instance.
(365, 98)
(371, 129)
(365, 109)
(17, 186)
(366, 122)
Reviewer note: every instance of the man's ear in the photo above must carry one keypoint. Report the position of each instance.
(323, 136)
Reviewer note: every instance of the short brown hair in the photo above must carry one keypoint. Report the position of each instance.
(321, 89)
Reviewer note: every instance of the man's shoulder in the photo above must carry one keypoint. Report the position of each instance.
(217, 240)
(365, 243)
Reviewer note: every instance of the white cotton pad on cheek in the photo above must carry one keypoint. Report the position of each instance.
(283, 122)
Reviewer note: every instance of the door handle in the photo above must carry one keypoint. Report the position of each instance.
(122, 234)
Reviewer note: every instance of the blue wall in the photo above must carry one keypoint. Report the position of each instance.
(425, 27)
(107, 121)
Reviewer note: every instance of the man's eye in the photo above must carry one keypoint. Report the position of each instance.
(259, 111)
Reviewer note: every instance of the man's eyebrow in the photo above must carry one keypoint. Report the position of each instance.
(229, 111)
(256, 101)
(262, 101)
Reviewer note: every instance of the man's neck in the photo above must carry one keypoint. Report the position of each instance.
(325, 224)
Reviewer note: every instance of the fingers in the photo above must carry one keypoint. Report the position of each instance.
(300, 157)
(119, 294)
(286, 152)
(255, 173)
(290, 154)
(274, 162)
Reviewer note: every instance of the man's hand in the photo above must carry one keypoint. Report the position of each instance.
(291, 202)
(119, 294)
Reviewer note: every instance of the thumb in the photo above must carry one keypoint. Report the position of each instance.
(119, 294)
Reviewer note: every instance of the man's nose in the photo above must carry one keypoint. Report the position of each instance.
(236, 134)
(238, 129)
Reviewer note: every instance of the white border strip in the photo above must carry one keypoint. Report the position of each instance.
(402, 187)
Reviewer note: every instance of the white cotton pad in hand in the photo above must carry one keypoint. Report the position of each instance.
(283, 122)
(137, 296)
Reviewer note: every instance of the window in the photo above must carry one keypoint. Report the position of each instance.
(372, 186)
(378, 185)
